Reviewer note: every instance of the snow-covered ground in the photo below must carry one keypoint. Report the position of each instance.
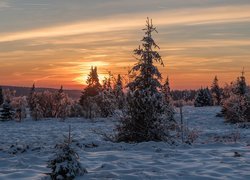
(25, 148)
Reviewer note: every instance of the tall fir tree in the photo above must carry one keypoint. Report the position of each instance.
(145, 102)
(6, 113)
(87, 100)
(216, 92)
(1, 96)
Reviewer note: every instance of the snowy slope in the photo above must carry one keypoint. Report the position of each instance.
(25, 147)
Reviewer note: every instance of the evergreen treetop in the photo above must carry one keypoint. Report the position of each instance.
(241, 85)
(118, 85)
(93, 79)
(149, 74)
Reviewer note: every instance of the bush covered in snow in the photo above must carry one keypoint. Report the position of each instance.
(236, 108)
(19, 104)
(236, 102)
(49, 104)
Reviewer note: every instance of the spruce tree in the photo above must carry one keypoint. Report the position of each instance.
(93, 88)
(37, 112)
(119, 94)
(31, 102)
(216, 92)
(145, 103)
(1, 96)
(241, 86)
(93, 85)
(166, 91)
(106, 99)
(6, 113)
(61, 104)
(203, 98)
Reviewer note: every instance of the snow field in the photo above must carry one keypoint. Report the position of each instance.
(218, 153)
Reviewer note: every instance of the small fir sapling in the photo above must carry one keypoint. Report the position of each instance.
(65, 164)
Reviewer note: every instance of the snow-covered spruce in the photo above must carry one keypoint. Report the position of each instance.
(203, 98)
(6, 113)
(147, 118)
(168, 102)
(65, 164)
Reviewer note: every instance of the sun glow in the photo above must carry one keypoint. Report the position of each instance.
(83, 78)
(85, 69)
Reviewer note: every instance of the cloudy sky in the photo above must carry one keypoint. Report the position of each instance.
(54, 42)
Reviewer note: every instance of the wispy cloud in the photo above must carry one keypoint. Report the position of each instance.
(4, 4)
(189, 16)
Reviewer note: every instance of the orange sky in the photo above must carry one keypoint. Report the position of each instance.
(56, 43)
